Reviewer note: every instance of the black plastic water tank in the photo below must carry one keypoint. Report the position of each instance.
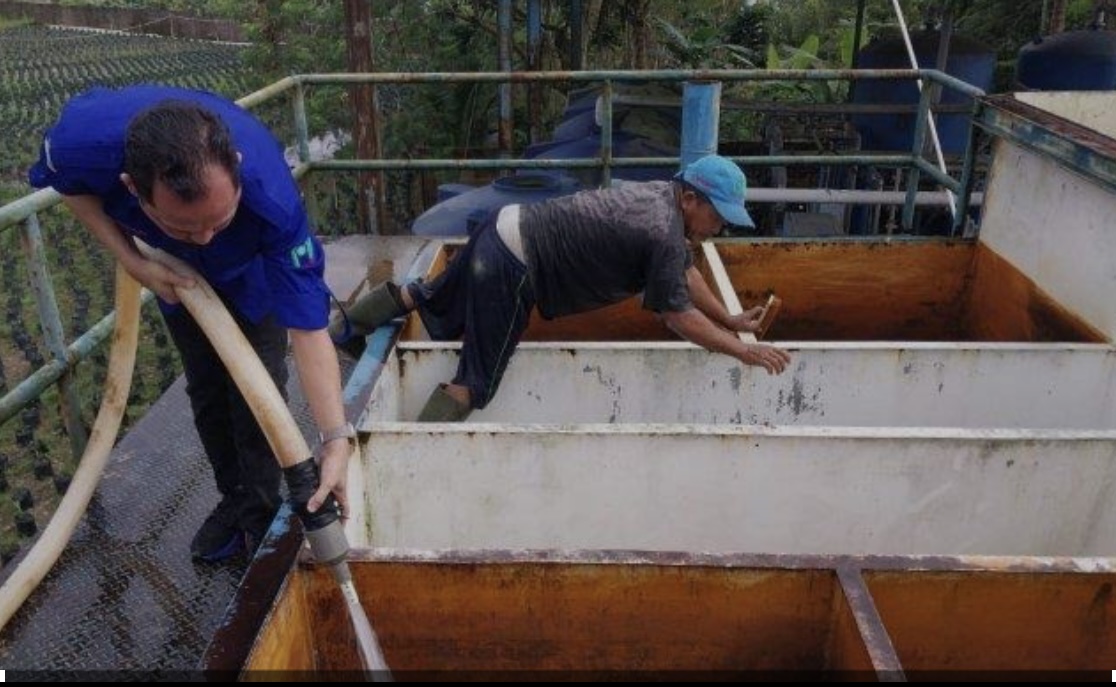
(1071, 61)
(968, 60)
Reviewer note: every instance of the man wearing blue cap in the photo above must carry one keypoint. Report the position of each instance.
(570, 255)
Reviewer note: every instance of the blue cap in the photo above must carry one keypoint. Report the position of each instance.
(723, 183)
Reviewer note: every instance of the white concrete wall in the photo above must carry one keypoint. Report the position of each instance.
(1093, 109)
(737, 489)
(1062, 386)
(1057, 228)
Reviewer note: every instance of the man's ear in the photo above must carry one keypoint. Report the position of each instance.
(688, 198)
(126, 179)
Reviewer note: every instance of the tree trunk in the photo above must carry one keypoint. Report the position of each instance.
(267, 17)
(639, 33)
(590, 18)
(1057, 22)
(370, 185)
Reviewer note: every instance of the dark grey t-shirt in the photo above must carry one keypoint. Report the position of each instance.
(596, 248)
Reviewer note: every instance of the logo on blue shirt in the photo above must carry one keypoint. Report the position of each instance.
(303, 253)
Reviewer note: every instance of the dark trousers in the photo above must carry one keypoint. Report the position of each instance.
(244, 466)
(485, 297)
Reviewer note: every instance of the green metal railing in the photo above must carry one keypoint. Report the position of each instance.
(65, 357)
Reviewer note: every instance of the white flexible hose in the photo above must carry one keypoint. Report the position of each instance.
(118, 381)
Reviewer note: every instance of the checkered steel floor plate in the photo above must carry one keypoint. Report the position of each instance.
(125, 597)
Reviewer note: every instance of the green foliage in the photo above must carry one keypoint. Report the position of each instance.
(203, 8)
(704, 47)
(802, 57)
(9, 23)
(750, 28)
(42, 67)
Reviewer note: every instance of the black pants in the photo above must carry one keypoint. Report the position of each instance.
(484, 296)
(243, 464)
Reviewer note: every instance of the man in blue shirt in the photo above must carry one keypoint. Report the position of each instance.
(202, 179)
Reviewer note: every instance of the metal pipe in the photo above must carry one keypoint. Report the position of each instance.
(966, 196)
(504, 19)
(701, 120)
(644, 75)
(850, 197)
(593, 162)
(804, 108)
(302, 134)
(22, 208)
(267, 92)
(936, 174)
(53, 334)
(606, 135)
(914, 171)
(37, 382)
(534, 91)
(302, 129)
(924, 104)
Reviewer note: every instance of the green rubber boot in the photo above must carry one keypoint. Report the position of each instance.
(441, 407)
(379, 306)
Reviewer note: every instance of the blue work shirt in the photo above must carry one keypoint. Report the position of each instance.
(265, 262)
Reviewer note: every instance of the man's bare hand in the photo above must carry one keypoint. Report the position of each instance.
(334, 460)
(160, 279)
(772, 359)
(747, 321)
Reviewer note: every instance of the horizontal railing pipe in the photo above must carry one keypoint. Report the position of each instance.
(668, 75)
(37, 382)
(22, 208)
(593, 162)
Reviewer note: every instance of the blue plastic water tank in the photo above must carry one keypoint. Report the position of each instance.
(639, 130)
(968, 60)
(1070, 61)
(575, 125)
(650, 110)
(454, 216)
(624, 144)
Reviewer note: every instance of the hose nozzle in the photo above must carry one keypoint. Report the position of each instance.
(323, 527)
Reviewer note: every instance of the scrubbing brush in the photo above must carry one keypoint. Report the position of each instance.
(770, 311)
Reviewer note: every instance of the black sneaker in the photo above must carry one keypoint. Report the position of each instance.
(219, 538)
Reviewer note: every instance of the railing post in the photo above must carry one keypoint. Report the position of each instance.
(606, 134)
(504, 19)
(534, 56)
(303, 135)
(301, 127)
(961, 217)
(51, 324)
(913, 174)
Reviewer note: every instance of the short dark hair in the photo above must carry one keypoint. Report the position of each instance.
(173, 142)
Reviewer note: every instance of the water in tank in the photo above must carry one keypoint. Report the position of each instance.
(968, 60)
(1070, 61)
